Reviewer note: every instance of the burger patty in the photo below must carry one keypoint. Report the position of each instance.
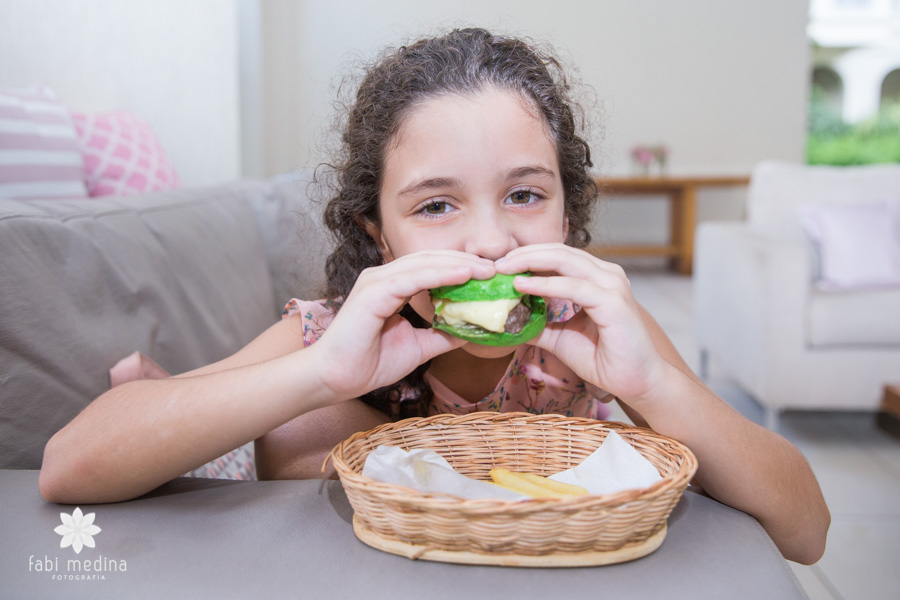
(518, 318)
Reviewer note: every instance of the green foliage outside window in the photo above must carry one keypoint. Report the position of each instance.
(830, 141)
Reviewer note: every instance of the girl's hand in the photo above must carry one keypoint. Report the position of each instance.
(607, 343)
(615, 345)
(369, 345)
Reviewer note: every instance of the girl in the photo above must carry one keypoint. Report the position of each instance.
(461, 160)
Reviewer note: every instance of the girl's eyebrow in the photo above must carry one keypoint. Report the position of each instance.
(451, 182)
(429, 184)
(540, 171)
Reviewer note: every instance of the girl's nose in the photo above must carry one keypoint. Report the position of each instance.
(489, 237)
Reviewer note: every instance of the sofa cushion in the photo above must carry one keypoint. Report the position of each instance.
(857, 318)
(181, 276)
(122, 155)
(39, 153)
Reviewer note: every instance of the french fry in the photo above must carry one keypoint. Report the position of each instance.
(534, 486)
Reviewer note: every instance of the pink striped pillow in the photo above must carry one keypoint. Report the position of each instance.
(39, 153)
(122, 155)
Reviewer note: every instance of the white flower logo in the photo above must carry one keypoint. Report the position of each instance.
(77, 530)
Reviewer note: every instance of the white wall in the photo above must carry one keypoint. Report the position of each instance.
(174, 62)
(723, 84)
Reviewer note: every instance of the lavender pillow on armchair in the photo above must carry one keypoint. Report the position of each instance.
(858, 244)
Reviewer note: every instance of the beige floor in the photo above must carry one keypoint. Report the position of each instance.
(856, 462)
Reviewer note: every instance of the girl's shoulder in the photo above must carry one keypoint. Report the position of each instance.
(315, 316)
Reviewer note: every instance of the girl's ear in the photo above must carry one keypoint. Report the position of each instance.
(565, 228)
(374, 231)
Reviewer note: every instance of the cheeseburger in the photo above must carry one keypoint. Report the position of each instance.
(489, 312)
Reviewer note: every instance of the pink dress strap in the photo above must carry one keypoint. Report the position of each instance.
(316, 316)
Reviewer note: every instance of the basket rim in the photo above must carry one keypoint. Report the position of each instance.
(437, 500)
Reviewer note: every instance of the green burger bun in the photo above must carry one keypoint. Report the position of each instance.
(454, 304)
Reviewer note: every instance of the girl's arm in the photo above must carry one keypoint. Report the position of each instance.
(743, 464)
(614, 344)
(143, 433)
(297, 449)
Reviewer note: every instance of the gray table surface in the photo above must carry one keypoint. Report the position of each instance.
(196, 538)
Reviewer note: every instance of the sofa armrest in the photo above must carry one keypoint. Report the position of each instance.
(750, 294)
(297, 243)
(180, 275)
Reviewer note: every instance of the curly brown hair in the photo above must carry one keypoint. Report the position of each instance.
(463, 62)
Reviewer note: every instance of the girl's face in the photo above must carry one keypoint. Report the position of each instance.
(476, 173)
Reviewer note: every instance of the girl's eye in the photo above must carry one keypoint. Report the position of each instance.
(436, 207)
(523, 197)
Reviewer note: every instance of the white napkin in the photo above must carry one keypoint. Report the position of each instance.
(427, 471)
(613, 467)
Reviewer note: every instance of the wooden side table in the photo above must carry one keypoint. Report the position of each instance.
(891, 401)
(889, 414)
(682, 193)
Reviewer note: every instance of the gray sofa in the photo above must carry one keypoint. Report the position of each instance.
(186, 277)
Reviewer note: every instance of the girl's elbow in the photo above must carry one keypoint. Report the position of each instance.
(50, 486)
(64, 475)
(808, 554)
(52, 480)
(808, 548)
(817, 548)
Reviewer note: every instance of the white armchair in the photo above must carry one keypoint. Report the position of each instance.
(761, 314)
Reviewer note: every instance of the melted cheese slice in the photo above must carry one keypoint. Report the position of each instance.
(487, 314)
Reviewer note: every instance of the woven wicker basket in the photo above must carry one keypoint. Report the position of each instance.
(588, 529)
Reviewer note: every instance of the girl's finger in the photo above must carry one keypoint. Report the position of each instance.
(434, 342)
(439, 257)
(558, 258)
(426, 263)
(386, 293)
(412, 274)
(580, 291)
